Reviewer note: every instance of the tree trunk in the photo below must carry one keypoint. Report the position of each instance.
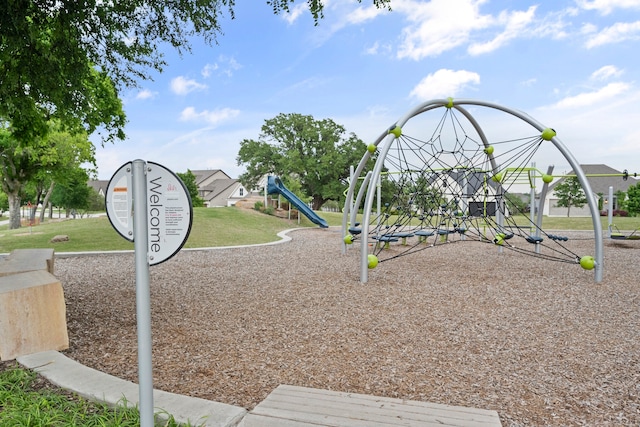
(14, 210)
(45, 202)
(317, 203)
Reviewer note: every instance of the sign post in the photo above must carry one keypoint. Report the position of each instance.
(150, 206)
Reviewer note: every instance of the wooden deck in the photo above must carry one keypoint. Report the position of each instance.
(290, 406)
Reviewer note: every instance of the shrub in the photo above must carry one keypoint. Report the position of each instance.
(616, 212)
(259, 206)
(269, 210)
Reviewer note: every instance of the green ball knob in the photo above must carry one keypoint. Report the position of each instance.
(498, 241)
(489, 150)
(587, 262)
(497, 177)
(547, 178)
(371, 148)
(397, 131)
(348, 239)
(372, 261)
(548, 133)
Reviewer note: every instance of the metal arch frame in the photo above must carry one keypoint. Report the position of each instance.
(384, 143)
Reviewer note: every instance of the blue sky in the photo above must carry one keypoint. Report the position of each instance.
(572, 65)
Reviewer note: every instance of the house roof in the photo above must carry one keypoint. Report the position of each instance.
(203, 175)
(600, 179)
(99, 185)
(218, 187)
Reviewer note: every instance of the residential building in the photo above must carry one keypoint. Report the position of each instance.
(600, 178)
(218, 189)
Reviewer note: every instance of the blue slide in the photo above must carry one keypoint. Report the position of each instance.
(275, 186)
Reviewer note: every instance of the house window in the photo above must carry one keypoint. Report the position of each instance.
(241, 191)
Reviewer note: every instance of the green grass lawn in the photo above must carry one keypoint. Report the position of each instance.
(26, 400)
(215, 227)
(211, 227)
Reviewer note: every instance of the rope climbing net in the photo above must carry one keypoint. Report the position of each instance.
(454, 185)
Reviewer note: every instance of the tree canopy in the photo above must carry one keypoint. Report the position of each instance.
(58, 56)
(316, 152)
(189, 181)
(570, 193)
(633, 204)
(44, 161)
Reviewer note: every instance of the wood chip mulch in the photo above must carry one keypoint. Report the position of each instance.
(461, 324)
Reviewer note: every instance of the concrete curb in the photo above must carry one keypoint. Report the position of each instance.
(98, 386)
(283, 235)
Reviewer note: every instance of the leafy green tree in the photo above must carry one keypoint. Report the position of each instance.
(74, 194)
(189, 181)
(18, 165)
(633, 202)
(95, 201)
(70, 150)
(4, 203)
(43, 162)
(56, 56)
(621, 200)
(515, 204)
(570, 193)
(318, 153)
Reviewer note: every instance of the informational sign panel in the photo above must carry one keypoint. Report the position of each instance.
(119, 202)
(170, 213)
(169, 209)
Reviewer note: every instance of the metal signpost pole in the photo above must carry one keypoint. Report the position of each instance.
(143, 299)
(149, 205)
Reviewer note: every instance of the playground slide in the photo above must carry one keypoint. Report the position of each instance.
(275, 186)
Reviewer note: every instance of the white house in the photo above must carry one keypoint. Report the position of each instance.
(600, 178)
(218, 189)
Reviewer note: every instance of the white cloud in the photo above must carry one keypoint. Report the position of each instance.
(364, 14)
(146, 94)
(515, 24)
(214, 117)
(295, 12)
(616, 33)
(224, 66)
(208, 69)
(605, 73)
(378, 48)
(587, 99)
(373, 49)
(605, 7)
(438, 25)
(182, 86)
(444, 83)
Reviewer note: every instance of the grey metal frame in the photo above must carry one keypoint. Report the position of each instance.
(385, 140)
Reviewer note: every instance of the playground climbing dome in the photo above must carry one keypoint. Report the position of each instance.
(439, 177)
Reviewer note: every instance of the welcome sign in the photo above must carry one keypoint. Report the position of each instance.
(169, 209)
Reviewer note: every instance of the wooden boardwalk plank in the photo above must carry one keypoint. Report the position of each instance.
(291, 406)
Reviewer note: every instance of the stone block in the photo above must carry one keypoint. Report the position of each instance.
(32, 314)
(23, 260)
